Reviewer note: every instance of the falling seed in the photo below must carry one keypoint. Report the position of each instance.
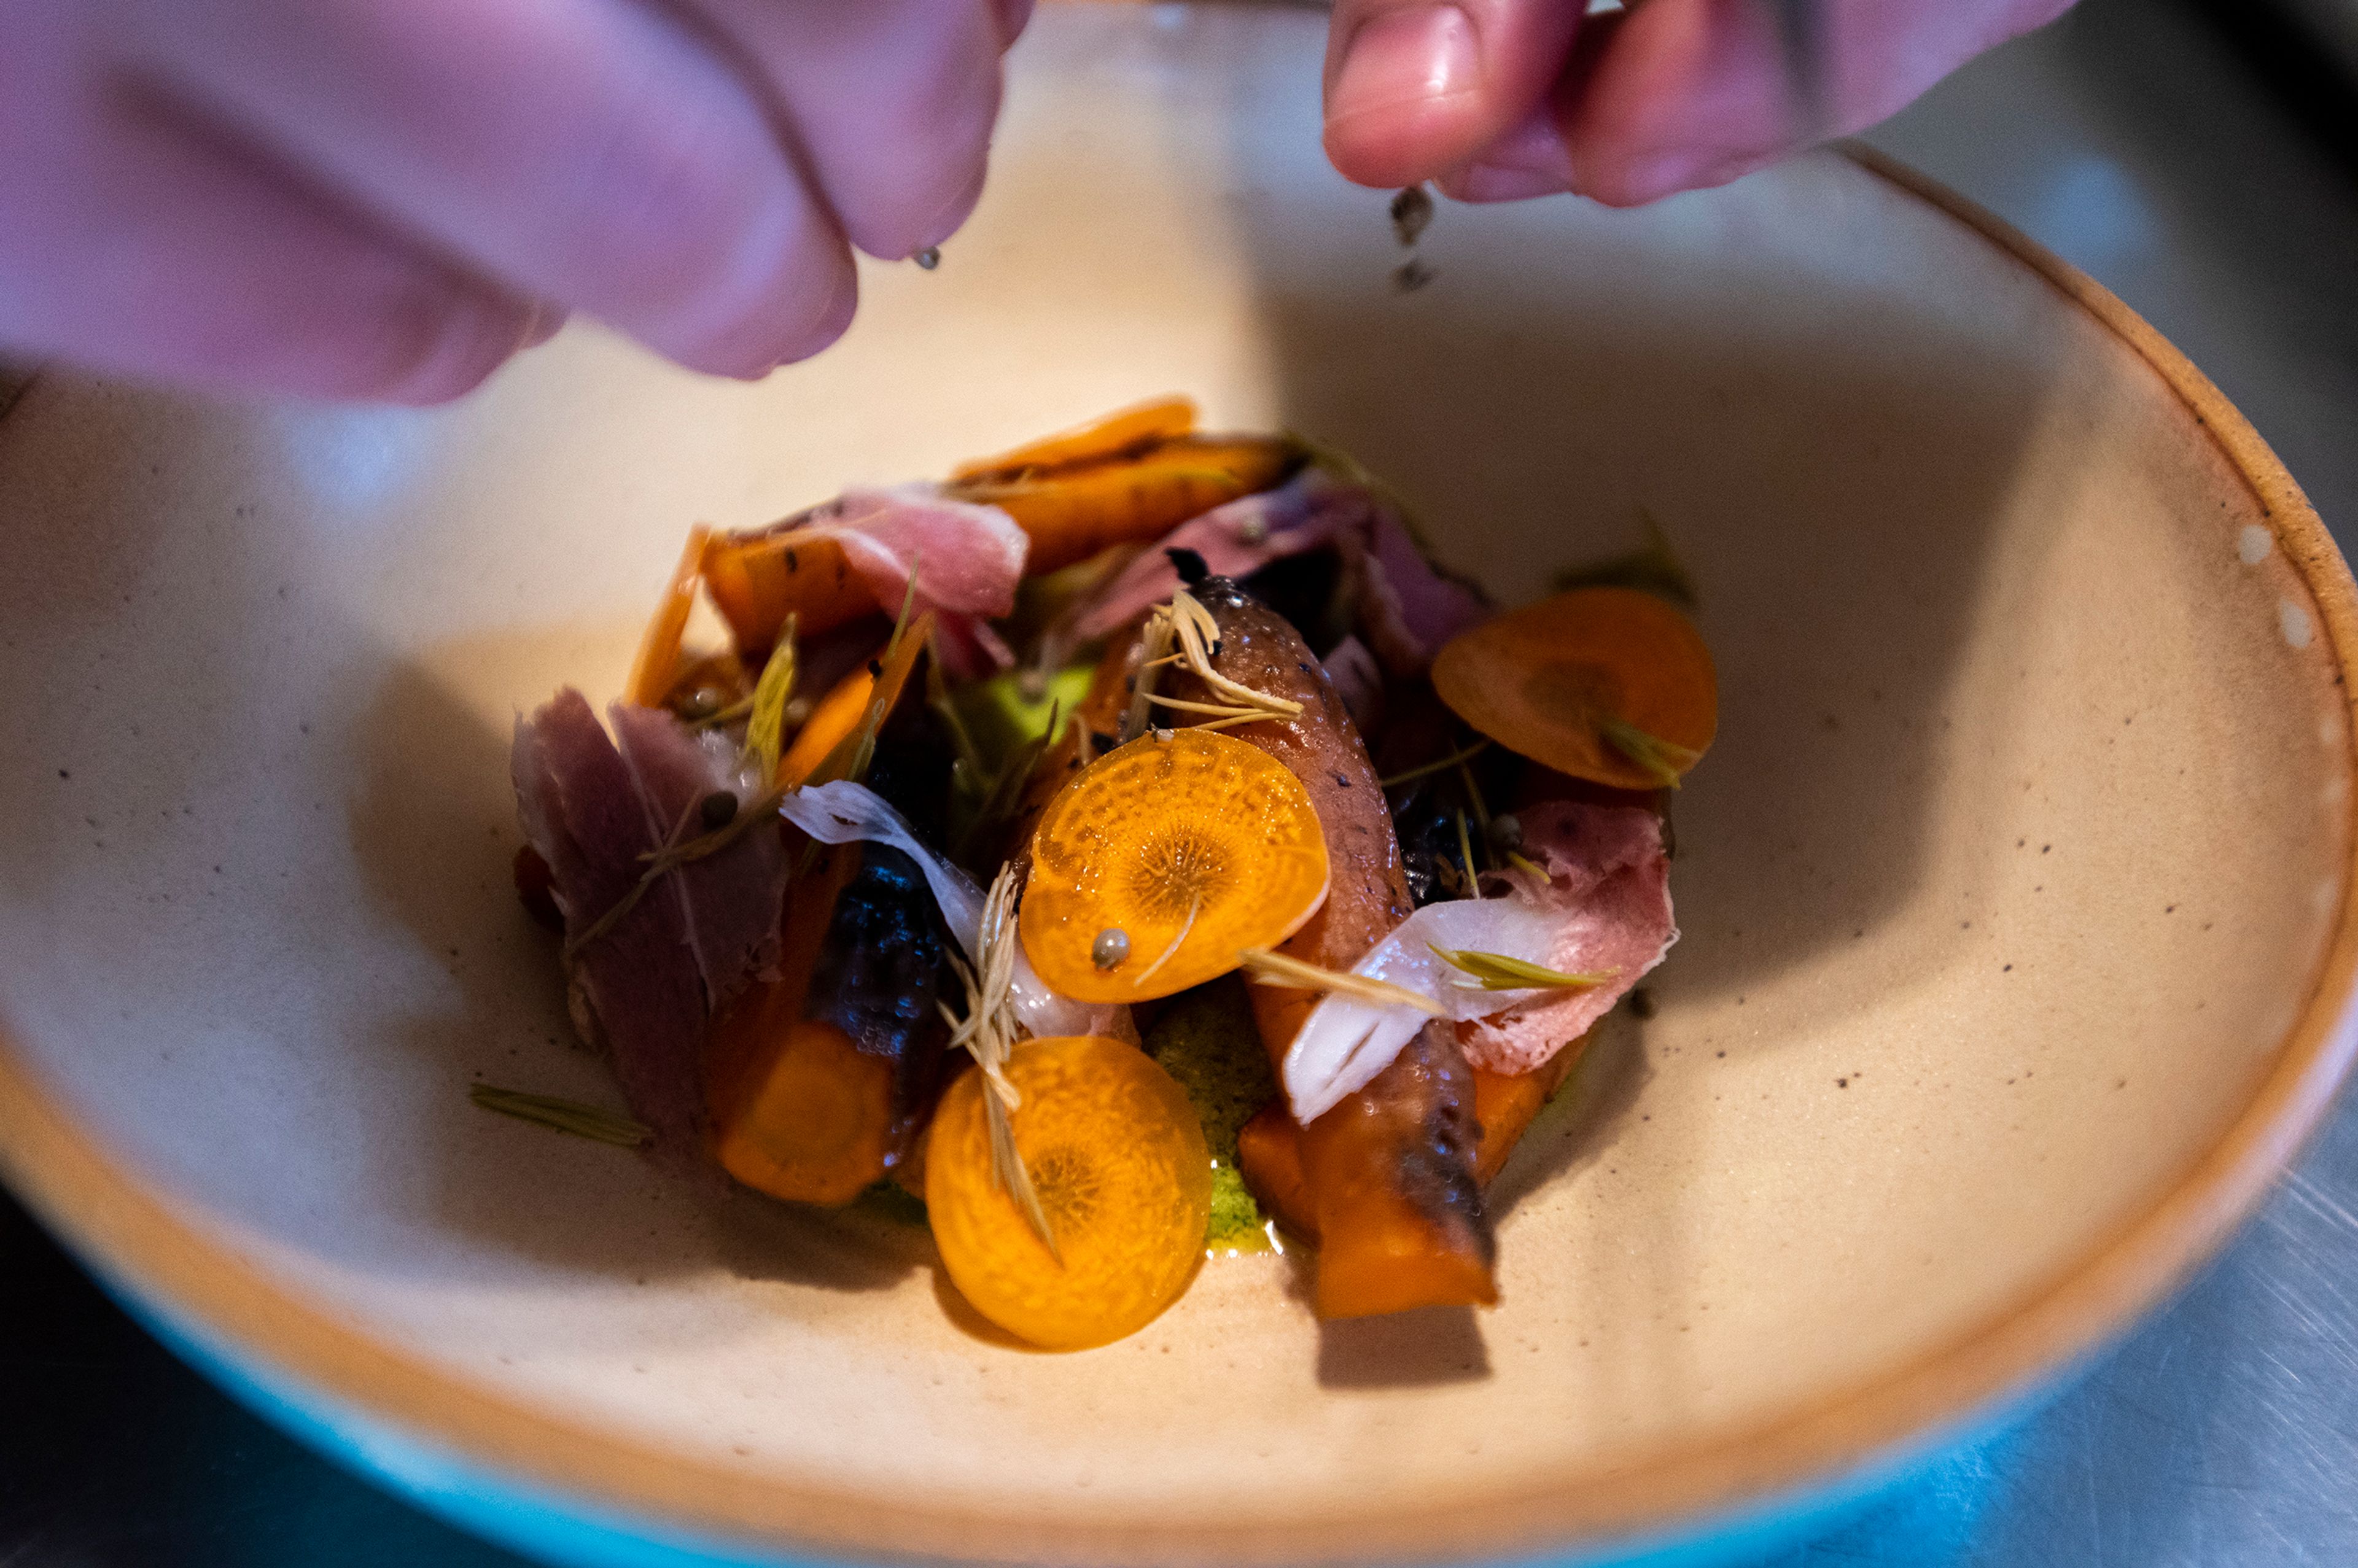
(928, 258)
(717, 810)
(702, 703)
(1505, 831)
(1253, 530)
(1411, 275)
(1110, 948)
(1411, 210)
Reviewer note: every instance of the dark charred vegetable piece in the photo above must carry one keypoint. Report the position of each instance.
(1425, 809)
(1390, 1171)
(1269, 1149)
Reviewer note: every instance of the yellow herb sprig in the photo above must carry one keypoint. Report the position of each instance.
(563, 1115)
(1498, 972)
(1273, 968)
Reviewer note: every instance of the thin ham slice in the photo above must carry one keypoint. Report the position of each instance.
(966, 559)
(1406, 609)
(644, 990)
(1609, 888)
(1606, 908)
(731, 900)
(636, 991)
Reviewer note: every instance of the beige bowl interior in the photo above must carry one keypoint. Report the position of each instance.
(2015, 868)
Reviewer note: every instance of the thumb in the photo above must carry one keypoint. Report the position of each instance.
(1416, 89)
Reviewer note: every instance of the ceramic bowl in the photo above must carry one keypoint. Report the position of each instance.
(2017, 950)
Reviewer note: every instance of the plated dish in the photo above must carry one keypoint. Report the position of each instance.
(2031, 655)
(1195, 711)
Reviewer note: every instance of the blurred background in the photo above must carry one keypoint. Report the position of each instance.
(2200, 157)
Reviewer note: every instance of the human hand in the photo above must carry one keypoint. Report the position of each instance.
(1498, 100)
(385, 199)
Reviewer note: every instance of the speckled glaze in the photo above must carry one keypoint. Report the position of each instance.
(2014, 894)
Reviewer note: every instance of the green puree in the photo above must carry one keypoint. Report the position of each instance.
(1205, 1040)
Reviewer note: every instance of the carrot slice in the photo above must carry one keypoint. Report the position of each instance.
(756, 580)
(1161, 859)
(1612, 685)
(1117, 434)
(657, 663)
(1123, 1173)
(1072, 513)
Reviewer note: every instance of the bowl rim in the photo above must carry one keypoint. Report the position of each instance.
(92, 1199)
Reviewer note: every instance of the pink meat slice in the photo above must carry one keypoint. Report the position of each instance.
(731, 900)
(1609, 880)
(636, 989)
(966, 560)
(1407, 608)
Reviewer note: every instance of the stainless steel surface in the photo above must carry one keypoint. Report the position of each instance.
(2223, 1432)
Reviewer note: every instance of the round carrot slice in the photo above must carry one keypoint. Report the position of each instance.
(1119, 1163)
(1612, 685)
(1156, 864)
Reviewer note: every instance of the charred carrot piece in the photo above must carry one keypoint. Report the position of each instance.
(1389, 1171)
(1506, 1104)
(796, 1112)
(1269, 1149)
(1072, 513)
(821, 1078)
(756, 580)
(1121, 433)
(657, 663)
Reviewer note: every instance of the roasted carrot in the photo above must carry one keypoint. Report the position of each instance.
(1505, 1105)
(796, 1112)
(1122, 433)
(1391, 1170)
(857, 706)
(1612, 684)
(1269, 1149)
(821, 1078)
(1074, 513)
(756, 580)
(657, 662)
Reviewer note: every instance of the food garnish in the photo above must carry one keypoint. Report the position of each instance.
(1191, 844)
(1123, 1177)
(1612, 684)
(1503, 972)
(563, 1115)
(1277, 970)
(1159, 754)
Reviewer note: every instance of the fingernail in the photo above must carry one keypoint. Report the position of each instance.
(1534, 146)
(1403, 57)
(824, 329)
(952, 216)
(541, 322)
(1490, 182)
(1643, 180)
